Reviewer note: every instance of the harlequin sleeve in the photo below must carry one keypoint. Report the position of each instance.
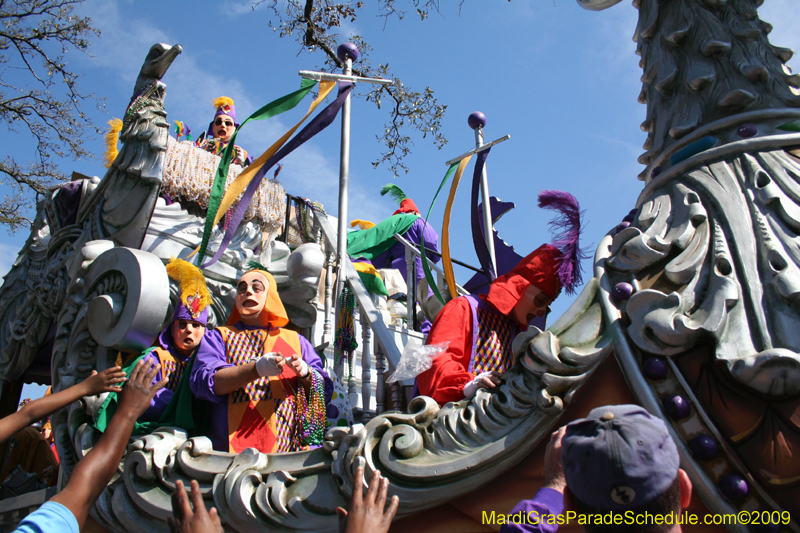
(210, 358)
(310, 356)
(445, 380)
(162, 397)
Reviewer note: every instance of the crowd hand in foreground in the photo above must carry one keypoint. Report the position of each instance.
(97, 383)
(367, 514)
(186, 520)
(93, 473)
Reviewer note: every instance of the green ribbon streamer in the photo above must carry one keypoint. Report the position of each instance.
(276, 107)
(425, 266)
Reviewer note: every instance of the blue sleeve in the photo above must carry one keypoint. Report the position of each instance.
(210, 358)
(162, 397)
(50, 517)
(310, 356)
(538, 514)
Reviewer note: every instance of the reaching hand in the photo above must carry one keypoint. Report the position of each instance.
(270, 365)
(186, 520)
(484, 380)
(553, 469)
(367, 515)
(299, 366)
(140, 389)
(105, 381)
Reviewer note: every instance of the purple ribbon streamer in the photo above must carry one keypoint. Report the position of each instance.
(317, 124)
(477, 236)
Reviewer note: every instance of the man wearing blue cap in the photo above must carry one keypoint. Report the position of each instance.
(618, 469)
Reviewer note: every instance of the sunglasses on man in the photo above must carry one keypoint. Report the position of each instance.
(220, 122)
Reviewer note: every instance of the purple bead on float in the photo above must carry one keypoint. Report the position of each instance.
(677, 407)
(733, 487)
(476, 120)
(347, 50)
(622, 291)
(622, 225)
(747, 130)
(703, 447)
(630, 216)
(655, 172)
(655, 368)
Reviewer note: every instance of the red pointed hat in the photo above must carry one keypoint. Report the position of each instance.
(539, 268)
(407, 206)
(550, 267)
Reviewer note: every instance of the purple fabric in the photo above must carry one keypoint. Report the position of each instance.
(317, 124)
(395, 257)
(478, 239)
(529, 512)
(211, 358)
(67, 202)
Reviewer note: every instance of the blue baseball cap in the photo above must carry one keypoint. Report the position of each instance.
(619, 457)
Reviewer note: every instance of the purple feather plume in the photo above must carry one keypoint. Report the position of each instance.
(566, 230)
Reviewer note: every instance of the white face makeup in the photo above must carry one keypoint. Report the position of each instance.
(533, 303)
(251, 295)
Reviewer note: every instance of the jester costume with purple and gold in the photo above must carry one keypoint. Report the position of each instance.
(265, 414)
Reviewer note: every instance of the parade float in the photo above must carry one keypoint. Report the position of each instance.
(691, 309)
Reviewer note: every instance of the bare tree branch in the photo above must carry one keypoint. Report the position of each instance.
(313, 25)
(39, 95)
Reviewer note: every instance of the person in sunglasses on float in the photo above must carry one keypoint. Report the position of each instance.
(221, 130)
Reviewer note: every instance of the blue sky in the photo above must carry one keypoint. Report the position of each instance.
(562, 81)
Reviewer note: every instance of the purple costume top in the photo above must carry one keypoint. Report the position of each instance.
(213, 355)
(532, 515)
(395, 257)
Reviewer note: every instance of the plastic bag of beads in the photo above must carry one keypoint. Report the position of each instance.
(416, 359)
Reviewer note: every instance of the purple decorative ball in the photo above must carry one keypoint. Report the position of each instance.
(655, 172)
(476, 120)
(655, 368)
(622, 291)
(677, 407)
(622, 225)
(747, 130)
(347, 50)
(733, 487)
(703, 447)
(630, 216)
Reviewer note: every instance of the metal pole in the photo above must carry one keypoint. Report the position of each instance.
(344, 175)
(487, 205)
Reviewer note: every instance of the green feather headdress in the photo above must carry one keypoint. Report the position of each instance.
(396, 192)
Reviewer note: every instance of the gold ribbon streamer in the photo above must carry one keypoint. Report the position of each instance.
(243, 180)
(447, 263)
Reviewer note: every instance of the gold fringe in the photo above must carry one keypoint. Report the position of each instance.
(191, 281)
(112, 137)
(222, 100)
(363, 224)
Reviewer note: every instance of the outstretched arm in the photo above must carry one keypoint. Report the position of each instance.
(105, 381)
(94, 471)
